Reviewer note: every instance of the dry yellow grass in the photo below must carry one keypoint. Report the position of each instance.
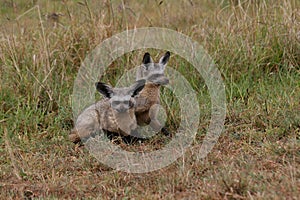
(256, 46)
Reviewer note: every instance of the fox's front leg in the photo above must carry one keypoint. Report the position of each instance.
(154, 123)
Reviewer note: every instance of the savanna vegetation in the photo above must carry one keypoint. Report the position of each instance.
(256, 46)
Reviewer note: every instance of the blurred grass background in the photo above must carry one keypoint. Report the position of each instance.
(256, 45)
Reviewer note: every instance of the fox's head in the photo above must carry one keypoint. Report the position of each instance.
(154, 72)
(121, 99)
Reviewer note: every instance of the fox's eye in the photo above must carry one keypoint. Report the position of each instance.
(126, 102)
(115, 103)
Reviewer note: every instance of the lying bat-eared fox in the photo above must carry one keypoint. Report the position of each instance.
(114, 113)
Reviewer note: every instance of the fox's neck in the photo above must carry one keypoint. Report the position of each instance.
(126, 121)
(150, 89)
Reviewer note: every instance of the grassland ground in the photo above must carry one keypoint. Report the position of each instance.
(256, 46)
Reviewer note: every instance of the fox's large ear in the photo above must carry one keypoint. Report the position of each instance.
(147, 60)
(164, 60)
(104, 89)
(137, 87)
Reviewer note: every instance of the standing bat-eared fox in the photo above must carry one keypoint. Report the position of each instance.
(148, 100)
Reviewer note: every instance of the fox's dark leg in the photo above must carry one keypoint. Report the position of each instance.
(134, 136)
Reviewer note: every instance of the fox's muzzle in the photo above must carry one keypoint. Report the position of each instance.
(158, 79)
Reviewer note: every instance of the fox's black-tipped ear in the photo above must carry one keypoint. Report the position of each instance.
(163, 60)
(147, 59)
(137, 87)
(104, 89)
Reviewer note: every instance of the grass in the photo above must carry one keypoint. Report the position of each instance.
(256, 47)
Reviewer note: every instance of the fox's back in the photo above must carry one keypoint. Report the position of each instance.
(94, 118)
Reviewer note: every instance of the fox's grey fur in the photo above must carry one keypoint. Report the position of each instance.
(114, 113)
(147, 102)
